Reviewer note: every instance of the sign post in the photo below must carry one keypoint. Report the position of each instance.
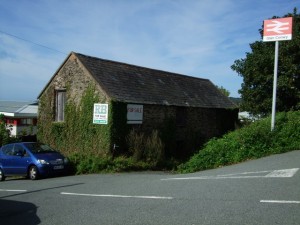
(277, 30)
(274, 86)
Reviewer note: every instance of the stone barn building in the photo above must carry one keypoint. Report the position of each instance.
(92, 104)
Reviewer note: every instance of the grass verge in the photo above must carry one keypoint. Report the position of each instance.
(251, 142)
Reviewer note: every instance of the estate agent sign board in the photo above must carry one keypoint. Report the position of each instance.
(100, 115)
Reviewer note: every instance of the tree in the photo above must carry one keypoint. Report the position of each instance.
(257, 70)
(4, 133)
(223, 90)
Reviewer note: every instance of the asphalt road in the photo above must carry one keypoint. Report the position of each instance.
(264, 191)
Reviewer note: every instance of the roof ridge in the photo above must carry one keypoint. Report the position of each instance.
(142, 67)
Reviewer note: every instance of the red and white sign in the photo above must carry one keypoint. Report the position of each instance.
(278, 29)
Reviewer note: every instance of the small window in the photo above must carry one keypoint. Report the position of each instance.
(8, 149)
(10, 121)
(26, 121)
(19, 150)
(60, 105)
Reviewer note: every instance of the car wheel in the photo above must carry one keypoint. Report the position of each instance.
(33, 173)
(2, 177)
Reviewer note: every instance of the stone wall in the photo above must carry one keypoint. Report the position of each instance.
(75, 79)
(184, 136)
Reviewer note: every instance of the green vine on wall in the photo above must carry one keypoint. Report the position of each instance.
(77, 134)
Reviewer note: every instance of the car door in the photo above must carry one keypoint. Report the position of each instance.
(6, 157)
(19, 160)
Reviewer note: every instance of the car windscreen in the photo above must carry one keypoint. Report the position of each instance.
(39, 148)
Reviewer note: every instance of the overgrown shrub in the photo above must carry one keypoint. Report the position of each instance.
(87, 163)
(136, 143)
(148, 149)
(250, 142)
(154, 149)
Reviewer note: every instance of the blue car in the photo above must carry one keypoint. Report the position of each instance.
(30, 159)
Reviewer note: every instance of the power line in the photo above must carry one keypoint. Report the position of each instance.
(43, 46)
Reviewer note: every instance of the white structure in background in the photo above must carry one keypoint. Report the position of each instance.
(246, 116)
(20, 117)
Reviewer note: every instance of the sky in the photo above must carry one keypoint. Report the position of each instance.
(199, 38)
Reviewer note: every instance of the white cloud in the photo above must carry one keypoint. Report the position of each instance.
(198, 38)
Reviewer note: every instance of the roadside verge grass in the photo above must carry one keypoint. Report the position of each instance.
(250, 142)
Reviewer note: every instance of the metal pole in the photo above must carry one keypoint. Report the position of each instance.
(274, 86)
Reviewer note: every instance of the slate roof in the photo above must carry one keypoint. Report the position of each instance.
(136, 84)
(18, 108)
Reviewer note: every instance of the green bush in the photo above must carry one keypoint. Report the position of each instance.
(148, 149)
(136, 142)
(250, 142)
(154, 149)
(147, 154)
(86, 164)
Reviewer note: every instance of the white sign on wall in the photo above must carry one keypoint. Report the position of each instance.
(100, 115)
(134, 114)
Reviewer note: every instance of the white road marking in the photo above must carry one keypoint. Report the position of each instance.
(211, 178)
(280, 201)
(264, 174)
(117, 196)
(246, 173)
(8, 190)
(283, 173)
